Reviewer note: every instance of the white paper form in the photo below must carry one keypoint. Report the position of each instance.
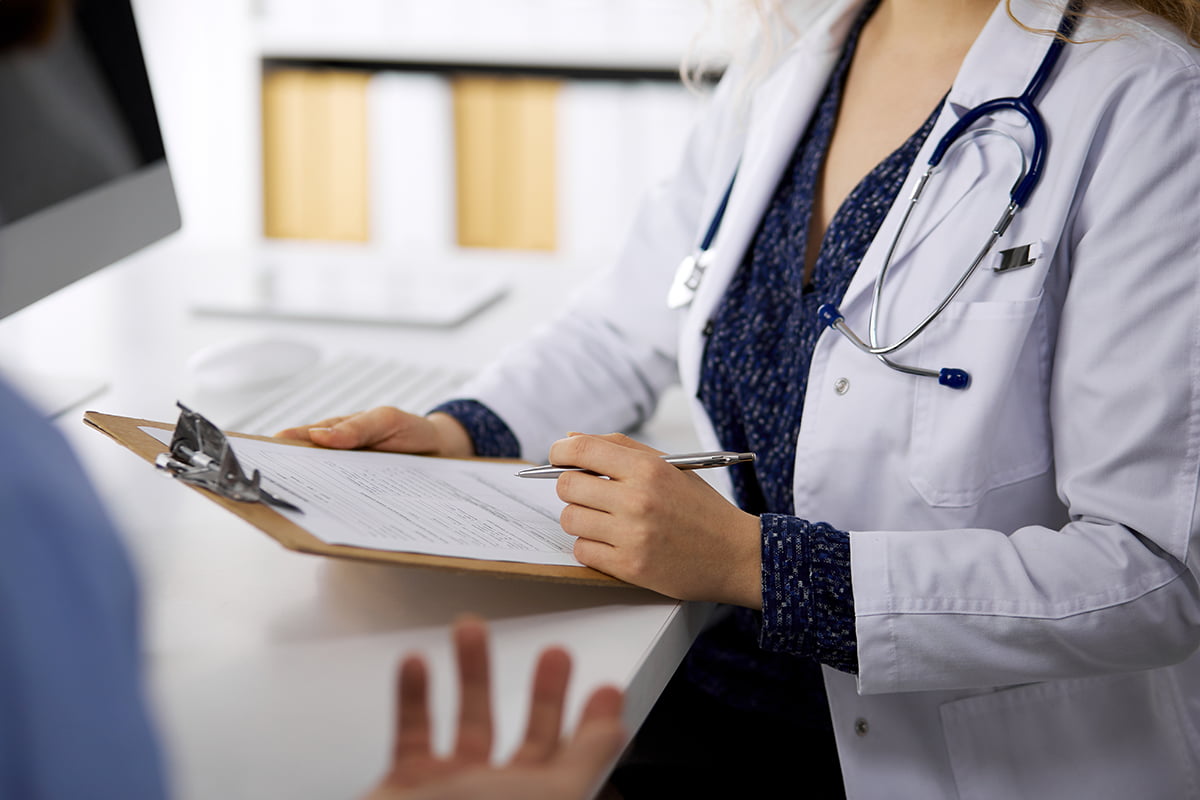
(412, 504)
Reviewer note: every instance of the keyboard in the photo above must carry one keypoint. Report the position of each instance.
(349, 383)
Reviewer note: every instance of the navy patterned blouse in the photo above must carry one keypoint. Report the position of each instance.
(753, 380)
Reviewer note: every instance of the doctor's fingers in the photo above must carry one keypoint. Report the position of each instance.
(614, 455)
(643, 500)
(301, 431)
(381, 428)
(638, 529)
(624, 441)
(584, 522)
(585, 489)
(633, 562)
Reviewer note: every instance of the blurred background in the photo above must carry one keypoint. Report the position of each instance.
(517, 124)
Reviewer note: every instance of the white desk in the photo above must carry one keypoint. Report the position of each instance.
(271, 671)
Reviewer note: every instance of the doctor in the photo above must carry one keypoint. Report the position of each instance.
(985, 586)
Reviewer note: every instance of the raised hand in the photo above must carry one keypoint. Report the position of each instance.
(545, 765)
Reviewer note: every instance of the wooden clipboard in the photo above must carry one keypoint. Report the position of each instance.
(128, 431)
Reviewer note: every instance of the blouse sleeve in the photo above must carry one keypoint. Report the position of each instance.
(491, 435)
(807, 601)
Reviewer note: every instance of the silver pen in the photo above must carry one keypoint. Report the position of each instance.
(686, 461)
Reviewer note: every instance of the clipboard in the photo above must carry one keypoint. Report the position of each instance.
(127, 431)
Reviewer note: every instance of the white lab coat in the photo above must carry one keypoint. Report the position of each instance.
(1024, 553)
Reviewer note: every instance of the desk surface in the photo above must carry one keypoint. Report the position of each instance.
(270, 672)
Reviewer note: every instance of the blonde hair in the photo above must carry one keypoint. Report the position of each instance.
(782, 21)
(753, 32)
(1183, 14)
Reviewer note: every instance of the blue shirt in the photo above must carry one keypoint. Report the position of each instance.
(73, 718)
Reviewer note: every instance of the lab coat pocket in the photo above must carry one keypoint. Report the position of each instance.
(995, 432)
(1114, 736)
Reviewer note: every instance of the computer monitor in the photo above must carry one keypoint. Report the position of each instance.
(83, 173)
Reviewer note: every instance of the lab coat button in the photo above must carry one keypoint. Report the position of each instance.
(841, 385)
(861, 727)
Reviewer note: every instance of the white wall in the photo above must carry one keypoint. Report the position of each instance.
(203, 71)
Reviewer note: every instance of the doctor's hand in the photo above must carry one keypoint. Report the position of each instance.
(653, 525)
(544, 766)
(390, 429)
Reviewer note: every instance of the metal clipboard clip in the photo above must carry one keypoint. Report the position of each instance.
(200, 454)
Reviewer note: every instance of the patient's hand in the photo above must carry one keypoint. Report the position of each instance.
(390, 429)
(546, 766)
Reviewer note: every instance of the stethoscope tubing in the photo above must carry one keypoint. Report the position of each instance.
(1022, 104)
(693, 267)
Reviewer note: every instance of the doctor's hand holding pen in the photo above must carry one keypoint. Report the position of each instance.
(641, 519)
(634, 516)
(544, 766)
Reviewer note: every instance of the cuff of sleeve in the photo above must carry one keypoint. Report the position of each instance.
(808, 604)
(490, 435)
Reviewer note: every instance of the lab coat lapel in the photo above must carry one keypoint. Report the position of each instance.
(779, 109)
(1000, 63)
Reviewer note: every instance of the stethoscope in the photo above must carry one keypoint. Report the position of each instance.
(691, 270)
